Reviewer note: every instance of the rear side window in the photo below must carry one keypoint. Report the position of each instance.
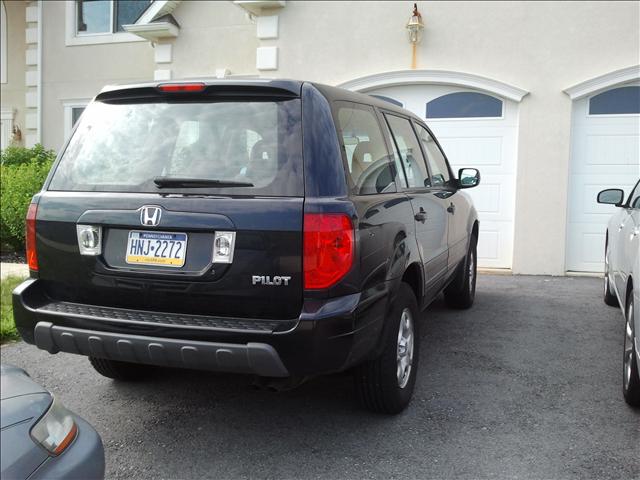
(123, 147)
(437, 163)
(409, 151)
(365, 150)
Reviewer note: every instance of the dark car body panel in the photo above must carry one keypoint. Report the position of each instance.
(24, 402)
(316, 331)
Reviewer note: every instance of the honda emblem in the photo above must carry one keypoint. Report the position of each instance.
(150, 216)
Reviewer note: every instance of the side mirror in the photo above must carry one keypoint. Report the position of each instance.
(468, 178)
(611, 196)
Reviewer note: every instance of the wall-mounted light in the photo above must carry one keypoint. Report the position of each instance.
(414, 29)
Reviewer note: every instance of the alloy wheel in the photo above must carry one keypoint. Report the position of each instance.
(628, 346)
(405, 348)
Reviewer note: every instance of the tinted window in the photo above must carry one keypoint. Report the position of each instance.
(365, 150)
(128, 11)
(437, 163)
(388, 99)
(409, 151)
(123, 147)
(464, 105)
(615, 102)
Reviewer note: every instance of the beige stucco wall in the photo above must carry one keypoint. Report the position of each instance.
(213, 35)
(80, 71)
(12, 93)
(543, 47)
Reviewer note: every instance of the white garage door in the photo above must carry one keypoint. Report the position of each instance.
(475, 130)
(605, 154)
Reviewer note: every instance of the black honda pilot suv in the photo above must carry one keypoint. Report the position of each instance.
(277, 228)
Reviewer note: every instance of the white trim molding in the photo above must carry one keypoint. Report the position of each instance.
(441, 77)
(153, 31)
(603, 82)
(3, 43)
(257, 7)
(6, 126)
(157, 9)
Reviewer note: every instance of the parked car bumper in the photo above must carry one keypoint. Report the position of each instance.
(329, 335)
(84, 458)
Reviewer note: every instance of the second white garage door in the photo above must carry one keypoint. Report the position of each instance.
(475, 130)
(605, 154)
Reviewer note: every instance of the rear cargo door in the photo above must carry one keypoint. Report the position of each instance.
(196, 199)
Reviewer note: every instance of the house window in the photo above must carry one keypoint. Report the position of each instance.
(618, 101)
(72, 111)
(94, 17)
(464, 105)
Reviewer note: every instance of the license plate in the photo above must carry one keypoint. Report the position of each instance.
(156, 248)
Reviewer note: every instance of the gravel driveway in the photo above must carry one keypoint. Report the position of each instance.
(527, 384)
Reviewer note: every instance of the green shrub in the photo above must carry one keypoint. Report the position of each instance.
(20, 180)
(21, 155)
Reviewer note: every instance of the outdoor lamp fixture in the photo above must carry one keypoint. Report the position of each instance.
(414, 29)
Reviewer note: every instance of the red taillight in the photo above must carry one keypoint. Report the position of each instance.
(181, 87)
(328, 248)
(30, 236)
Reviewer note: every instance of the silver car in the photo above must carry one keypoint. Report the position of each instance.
(622, 280)
(40, 438)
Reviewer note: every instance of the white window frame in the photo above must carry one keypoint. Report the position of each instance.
(6, 126)
(3, 43)
(73, 38)
(69, 105)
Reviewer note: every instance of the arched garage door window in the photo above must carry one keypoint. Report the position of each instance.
(464, 105)
(618, 101)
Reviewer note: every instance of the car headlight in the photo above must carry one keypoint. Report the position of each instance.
(56, 429)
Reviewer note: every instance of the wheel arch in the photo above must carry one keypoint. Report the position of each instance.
(414, 278)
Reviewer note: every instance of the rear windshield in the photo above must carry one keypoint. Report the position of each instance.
(124, 147)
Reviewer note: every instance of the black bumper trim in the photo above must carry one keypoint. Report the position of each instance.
(253, 358)
(69, 309)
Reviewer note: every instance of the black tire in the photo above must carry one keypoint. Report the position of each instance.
(609, 296)
(630, 375)
(119, 370)
(461, 292)
(377, 383)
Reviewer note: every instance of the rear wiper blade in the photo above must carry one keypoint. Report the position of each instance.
(164, 182)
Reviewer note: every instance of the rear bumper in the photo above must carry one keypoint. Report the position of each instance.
(257, 358)
(329, 335)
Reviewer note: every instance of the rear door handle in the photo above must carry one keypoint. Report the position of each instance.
(451, 208)
(421, 216)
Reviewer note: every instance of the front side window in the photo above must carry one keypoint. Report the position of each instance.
(365, 150)
(254, 146)
(440, 175)
(408, 150)
(107, 16)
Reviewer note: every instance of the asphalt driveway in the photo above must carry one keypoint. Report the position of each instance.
(527, 384)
